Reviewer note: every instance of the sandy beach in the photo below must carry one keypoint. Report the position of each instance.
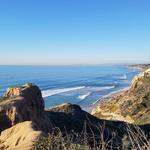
(107, 97)
(112, 95)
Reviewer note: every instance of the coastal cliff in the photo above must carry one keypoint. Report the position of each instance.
(26, 125)
(132, 106)
(141, 67)
(23, 119)
(20, 104)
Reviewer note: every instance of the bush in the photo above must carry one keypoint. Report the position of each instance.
(135, 139)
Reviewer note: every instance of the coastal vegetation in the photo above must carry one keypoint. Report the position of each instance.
(136, 139)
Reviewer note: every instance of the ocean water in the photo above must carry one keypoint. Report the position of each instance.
(82, 85)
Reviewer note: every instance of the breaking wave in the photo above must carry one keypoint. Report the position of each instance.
(82, 97)
(48, 93)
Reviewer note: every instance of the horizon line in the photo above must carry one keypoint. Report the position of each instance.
(71, 64)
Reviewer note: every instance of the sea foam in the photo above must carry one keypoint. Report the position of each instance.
(102, 88)
(82, 97)
(48, 93)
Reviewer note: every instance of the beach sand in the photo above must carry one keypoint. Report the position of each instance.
(107, 97)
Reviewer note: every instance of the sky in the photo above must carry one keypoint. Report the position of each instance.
(65, 32)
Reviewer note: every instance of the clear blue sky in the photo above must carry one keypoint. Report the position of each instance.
(74, 31)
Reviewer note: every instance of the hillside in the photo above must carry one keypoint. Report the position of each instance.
(131, 106)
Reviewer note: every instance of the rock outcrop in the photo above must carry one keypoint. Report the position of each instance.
(21, 136)
(131, 106)
(22, 104)
(22, 115)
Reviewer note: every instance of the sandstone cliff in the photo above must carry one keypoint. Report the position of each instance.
(18, 105)
(131, 106)
(23, 118)
(22, 104)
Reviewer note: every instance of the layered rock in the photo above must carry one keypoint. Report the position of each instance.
(131, 106)
(22, 104)
(22, 117)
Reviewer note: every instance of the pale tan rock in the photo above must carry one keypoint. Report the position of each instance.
(19, 137)
(23, 103)
(15, 91)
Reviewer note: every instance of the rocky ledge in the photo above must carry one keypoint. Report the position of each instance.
(132, 106)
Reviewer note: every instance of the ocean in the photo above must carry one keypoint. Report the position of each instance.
(82, 85)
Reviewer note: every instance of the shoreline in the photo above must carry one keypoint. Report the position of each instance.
(104, 98)
(114, 93)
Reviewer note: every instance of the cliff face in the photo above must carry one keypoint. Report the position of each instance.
(22, 117)
(21, 104)
(131, 106)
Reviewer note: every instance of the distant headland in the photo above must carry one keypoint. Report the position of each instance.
(141, 67)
